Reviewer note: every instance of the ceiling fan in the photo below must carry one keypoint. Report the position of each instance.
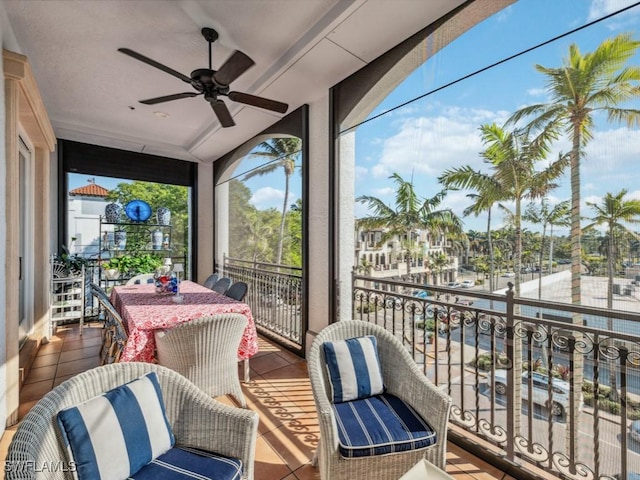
(213, 83)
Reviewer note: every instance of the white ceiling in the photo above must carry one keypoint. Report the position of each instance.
(301, 48)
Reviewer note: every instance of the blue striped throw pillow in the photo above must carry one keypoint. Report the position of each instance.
(354, 368)
(114, 435)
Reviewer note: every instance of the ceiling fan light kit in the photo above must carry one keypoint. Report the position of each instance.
(212, 83)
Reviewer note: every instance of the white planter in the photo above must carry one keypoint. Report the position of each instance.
(112, 273)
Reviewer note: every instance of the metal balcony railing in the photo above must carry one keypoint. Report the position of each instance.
(275, 298)
(533, 382)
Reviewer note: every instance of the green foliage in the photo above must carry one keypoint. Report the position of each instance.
(134, 264)
(173, 197)
(366, 308)
(484, 361)
(71, 262)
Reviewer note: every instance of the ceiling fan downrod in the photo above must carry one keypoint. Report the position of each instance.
(210, 35)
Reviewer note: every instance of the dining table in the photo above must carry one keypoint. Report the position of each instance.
(144, 311)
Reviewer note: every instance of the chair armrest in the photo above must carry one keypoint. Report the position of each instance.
(428, 400)
(199, 421)
(219, 428)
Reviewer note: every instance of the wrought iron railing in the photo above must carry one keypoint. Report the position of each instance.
(275, 298)
(489, 351)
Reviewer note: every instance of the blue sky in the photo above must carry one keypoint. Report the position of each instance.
(440, 131)
(78, 180)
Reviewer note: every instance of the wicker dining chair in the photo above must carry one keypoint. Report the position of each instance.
(205, 350)
(402, 378)
(211, 280)
(237, 291)
(143, 278)
(196, 421)
(222, 285)
(114, 332)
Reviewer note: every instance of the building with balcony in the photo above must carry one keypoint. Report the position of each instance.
(381, 256)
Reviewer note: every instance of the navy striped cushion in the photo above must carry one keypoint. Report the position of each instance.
(115, 434)
(188, 464)
(380, 425)
(354, 368)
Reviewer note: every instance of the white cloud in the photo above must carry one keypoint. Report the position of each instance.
(601, 8)
(633, 195)
(361, 173)
(430, 145)
(268, 197)
(537, 92)
(384, 192)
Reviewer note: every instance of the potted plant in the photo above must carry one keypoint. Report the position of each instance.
(111, 268)
(73, 263)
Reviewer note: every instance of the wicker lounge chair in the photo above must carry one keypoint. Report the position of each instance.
(195, 419)
(403, 379)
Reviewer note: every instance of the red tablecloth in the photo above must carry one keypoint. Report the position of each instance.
(144, 311)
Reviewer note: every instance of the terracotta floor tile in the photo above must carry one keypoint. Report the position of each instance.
(290, 356)
(296, 440)
(50, 348)
(306, 472)
(78, 366)
(41, 373)
(82, 343)
(267, 363)
(5, 441)
(45, 360)
(35, 390)
(269, 465)
(24, 408)
(80, 353)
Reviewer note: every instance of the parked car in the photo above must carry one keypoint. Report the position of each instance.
(634, 430)
(508, 274)
(559, 396)
(421, 293)
(467, 284)
(453, 285)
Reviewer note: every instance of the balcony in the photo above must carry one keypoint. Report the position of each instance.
(279, 391)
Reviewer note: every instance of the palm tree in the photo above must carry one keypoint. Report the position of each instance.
(613, 212)
(558, 215)
(584, 85)
(484, 201)
(283, 153)
(512, 160)
(410, 213)
(438, 263)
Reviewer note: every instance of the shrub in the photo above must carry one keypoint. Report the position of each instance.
(588, 398)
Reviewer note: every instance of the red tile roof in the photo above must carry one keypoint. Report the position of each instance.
(91, 190)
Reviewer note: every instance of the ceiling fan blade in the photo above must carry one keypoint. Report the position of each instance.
(236, 65)
(155, 64)
(223, 113)
(258, 101)
(168, 98)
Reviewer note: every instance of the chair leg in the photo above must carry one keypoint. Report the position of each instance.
(246, 371)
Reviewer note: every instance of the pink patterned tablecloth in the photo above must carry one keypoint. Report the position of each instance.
(144, 311)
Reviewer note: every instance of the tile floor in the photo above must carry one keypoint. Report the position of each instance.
(279, 391)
